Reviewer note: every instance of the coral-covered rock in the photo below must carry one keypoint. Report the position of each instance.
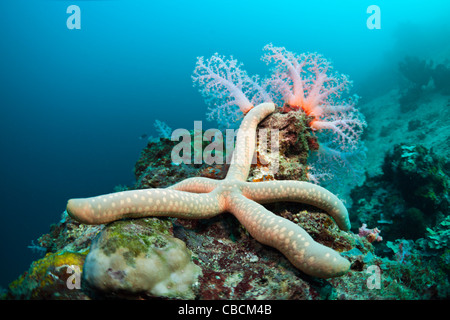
(69, 235)
(57, 276)
(220, 260)
(140, 259)
(295, 140)
(154, 168)
(236, 266)
(410, 196)
(420, 176)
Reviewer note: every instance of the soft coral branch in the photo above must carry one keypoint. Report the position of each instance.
(225, 85)
(347, 127)
(307, 82)
(287, 76)
(302, 82)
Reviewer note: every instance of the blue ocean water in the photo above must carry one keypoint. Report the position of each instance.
(74, 102)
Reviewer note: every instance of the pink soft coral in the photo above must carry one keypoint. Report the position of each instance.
(301, 82)
(306, 82)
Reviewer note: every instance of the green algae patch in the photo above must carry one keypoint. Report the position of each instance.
(135, 235)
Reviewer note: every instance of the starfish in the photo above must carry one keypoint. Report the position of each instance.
(202, 198)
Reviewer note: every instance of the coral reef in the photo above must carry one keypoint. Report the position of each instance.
(409, 202)
(222, 258)
(410, 196)
(422, 270)
(439, 236)
(421, 177)
(427, 125)
(236, 266)
(201, 198)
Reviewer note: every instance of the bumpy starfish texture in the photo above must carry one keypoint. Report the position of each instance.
(200, 198)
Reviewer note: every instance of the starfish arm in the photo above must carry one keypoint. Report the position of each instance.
(290, 239)
(299, 191)
(196, 185)
(246, 141)
(143, 203)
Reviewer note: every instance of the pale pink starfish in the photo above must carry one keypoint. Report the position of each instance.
(200, 198)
